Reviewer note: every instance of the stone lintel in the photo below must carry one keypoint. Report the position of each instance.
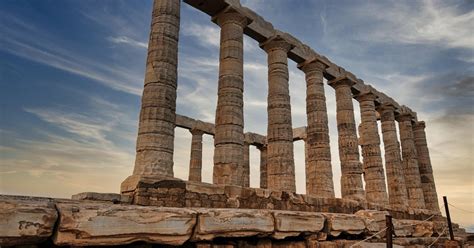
(192, 124)
(262, 30)
(299, 133)
(255, 139)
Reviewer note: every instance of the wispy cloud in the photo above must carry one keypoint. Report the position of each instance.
(431, 22)
(128, 41)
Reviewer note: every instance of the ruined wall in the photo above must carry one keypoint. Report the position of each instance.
(109, 220)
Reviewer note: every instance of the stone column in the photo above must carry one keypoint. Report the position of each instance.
(281, 165)
(351, 168)
(397, 190)
(410, 162)
(318, 165)
(426, 171)
(374, 175)
(195, 163)
(246, 166)
(155, 142)
(229, 136)
(263, 166)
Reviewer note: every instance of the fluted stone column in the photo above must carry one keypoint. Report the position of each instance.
(318, 153)
(229, 134)
(397, 190)
(155, 142)
(410, 162)
(374, 175)
(280, 161)
(263, 166)
(426, 171)
(246, 166)
(351, 167)
(195, 163)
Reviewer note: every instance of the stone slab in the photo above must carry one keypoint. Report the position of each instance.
(26, 220)
(289, 223)
(344, 223)
(111, 197)
(89, 224)
(214, 223)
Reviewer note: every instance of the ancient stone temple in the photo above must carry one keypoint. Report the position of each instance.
(155, 209)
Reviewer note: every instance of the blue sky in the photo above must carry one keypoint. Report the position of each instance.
(71, 74)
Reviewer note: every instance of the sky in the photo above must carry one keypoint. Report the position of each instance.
(71, 75)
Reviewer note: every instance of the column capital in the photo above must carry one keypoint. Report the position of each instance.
(341, 81)
(313, 64)
(261, 147)
(230, 14)
(404, 117)
(276, 42)
(386, 106)
(196, 131)
(366, 96)
(419, 125)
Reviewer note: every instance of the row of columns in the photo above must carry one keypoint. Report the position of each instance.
(157, 118)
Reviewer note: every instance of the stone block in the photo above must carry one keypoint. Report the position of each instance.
(347, 223)
(26, 220)
(290, 223)
(413, 228)
(214, 223)
(88, 224)
(93, 196)
(374, 220)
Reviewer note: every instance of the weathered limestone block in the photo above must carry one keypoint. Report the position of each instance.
(214, 223)
(351, 167)
(413, 228)
(410, 162)
(280, 160)
(288, 224)
(93, 196)
(26, 220)
(374, 175)
(229, 137)
(289, 244)
(88, 224)
(318, 153)
(426, 170)
(374, 220)
(393, 161)
(344, 223)
(195, 163)
(157, 116)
